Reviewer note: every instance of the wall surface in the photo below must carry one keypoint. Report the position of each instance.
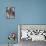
(27, 12)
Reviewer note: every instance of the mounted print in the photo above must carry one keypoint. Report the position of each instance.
(10, 12)
(32, 32)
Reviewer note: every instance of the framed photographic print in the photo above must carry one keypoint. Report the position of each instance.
(10, 12)
(32, 32)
